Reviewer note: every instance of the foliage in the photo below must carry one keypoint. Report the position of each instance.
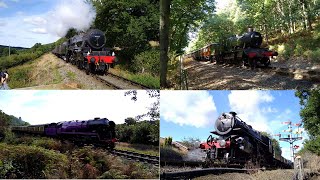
(29, 159)
(147, 61)
(168, 141)
(154, 111)
(24, 56)
(186, 17)
(310, 105)
(143, 132)
(216, 29)
(128, 24)
(31, 162)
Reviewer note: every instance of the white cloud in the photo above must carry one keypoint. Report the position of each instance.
(35, 21)
(38, 107)
(3, 23)
(3, 5)
(269, 110)
(39, 31)
(49, 26)
(192, 108)
(247, 104)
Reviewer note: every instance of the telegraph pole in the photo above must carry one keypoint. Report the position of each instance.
(290, 138)
(9, 50)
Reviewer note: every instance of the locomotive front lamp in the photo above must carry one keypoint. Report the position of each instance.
(222, 143)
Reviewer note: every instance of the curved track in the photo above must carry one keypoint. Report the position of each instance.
(116, 82)
(137, 156)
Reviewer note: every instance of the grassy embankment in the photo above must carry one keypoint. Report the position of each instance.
(138, 148)
(35, 157)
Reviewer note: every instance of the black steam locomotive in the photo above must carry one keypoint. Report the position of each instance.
(245, 49)
(87, 51)
(97, 131)
(239, 143)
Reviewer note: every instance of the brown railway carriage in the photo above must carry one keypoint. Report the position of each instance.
(36, 129)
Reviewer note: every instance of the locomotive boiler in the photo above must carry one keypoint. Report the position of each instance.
(239, 143)
(97, 131)
(245, 49)
(87, 51)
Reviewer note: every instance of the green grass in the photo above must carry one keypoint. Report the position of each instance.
(145, 78)
(71, 75)
(138, 148)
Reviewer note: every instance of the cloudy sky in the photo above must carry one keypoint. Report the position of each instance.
(26, 22)
(193, 113)
(39, 107)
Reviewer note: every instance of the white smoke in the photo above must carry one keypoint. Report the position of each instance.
(76, 14)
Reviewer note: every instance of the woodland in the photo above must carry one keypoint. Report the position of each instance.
(290, 27)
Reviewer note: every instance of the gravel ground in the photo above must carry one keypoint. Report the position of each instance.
(53, 73)
(280, 174)
(298, 63)
(206, 75)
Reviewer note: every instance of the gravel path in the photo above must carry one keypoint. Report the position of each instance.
(54, 73)
(206, 75)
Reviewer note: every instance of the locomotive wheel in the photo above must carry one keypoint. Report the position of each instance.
(87, 69)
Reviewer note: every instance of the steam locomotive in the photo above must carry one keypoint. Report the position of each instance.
(239, 143)
(87, 51)
(245, 49)
(97, 131)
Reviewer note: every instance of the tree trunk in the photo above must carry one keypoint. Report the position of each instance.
(164, 40)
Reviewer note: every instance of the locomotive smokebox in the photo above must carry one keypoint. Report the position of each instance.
(251, 39)
(225, 123)
(95, 39)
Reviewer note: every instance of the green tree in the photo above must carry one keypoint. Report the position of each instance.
(310, 114)
(128, 24)
(130, 121)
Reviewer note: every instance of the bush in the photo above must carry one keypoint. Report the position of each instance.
(148, 62)
(31, 162)
(141, 133)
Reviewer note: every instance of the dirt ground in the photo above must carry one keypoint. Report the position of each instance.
(261, 175)
(51, 72)
(206, 75)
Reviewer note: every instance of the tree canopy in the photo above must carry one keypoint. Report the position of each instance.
(310, 114)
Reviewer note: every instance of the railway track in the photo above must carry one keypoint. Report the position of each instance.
(189, 174)
(197, 164)
(137, 156)
(118, 82)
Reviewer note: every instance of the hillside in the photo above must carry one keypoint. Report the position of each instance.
(10, 120)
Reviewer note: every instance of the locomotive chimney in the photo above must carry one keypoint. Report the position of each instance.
(233, 113)
(250, 29)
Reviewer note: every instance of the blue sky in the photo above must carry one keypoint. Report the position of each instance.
(193, 113)
(46, 106)
(26, 22)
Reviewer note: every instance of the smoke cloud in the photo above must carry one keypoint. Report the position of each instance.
(76, 14)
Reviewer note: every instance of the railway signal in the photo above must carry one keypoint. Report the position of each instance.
(290, 137)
